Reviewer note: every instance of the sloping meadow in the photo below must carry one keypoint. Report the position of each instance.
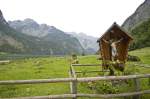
(58, 67)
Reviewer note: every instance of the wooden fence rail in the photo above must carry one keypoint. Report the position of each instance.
(84, 79)
(66, 96)
(74, 82)
(86, 64)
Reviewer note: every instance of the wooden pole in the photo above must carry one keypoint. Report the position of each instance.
(73, 84)
(85, 79)
(74, 88)
(103, 96)
(73, 71)
(86, 64)
(92, 71)
(137, 87)
(62, 96)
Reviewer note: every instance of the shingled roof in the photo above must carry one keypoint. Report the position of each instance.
(113, 26)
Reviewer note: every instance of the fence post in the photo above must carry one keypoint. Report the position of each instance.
(137, 87)
(73, 84)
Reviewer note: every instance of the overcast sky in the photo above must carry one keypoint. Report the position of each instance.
(92, 17)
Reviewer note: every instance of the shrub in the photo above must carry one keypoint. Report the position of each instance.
(104, 87)
(133, 58)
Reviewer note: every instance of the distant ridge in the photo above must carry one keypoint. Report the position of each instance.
(48, 33)
(89, 43)
(55, 42)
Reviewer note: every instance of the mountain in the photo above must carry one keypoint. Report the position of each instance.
(2, 20)
(89, 43)
(9, 38)
(141, 34)
(51, 33)
(14, 41)
(138, 24)
(31, 27)
(141, 14)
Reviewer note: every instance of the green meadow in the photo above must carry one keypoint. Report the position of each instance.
(58, 67)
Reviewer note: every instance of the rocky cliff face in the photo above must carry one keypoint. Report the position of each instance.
(138, 24)
(31, 27)
(7, 40)
(89, 43)
(2, 19)
(141, 14)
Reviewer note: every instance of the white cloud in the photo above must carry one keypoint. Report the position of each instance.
(92, 17)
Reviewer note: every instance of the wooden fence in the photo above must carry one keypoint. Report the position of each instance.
(74, 80)
(73, 86)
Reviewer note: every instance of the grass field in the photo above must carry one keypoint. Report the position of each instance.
(57, 67)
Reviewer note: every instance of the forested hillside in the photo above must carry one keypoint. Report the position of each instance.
(141, 35)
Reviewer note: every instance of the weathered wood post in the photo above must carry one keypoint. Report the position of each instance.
(73, 84)
(137, 87)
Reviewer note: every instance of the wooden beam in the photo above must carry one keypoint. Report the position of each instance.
(4, 61)
(64, 96)
(86, 64)
(73, 86)
(106, 78)
(91, 71)
(114, 95)
(73, 71)
(85, 79)
(37, 81)
(137, 88)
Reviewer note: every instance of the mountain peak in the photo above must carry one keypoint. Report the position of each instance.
(2, 19)
(1, 13)
(29, 20)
